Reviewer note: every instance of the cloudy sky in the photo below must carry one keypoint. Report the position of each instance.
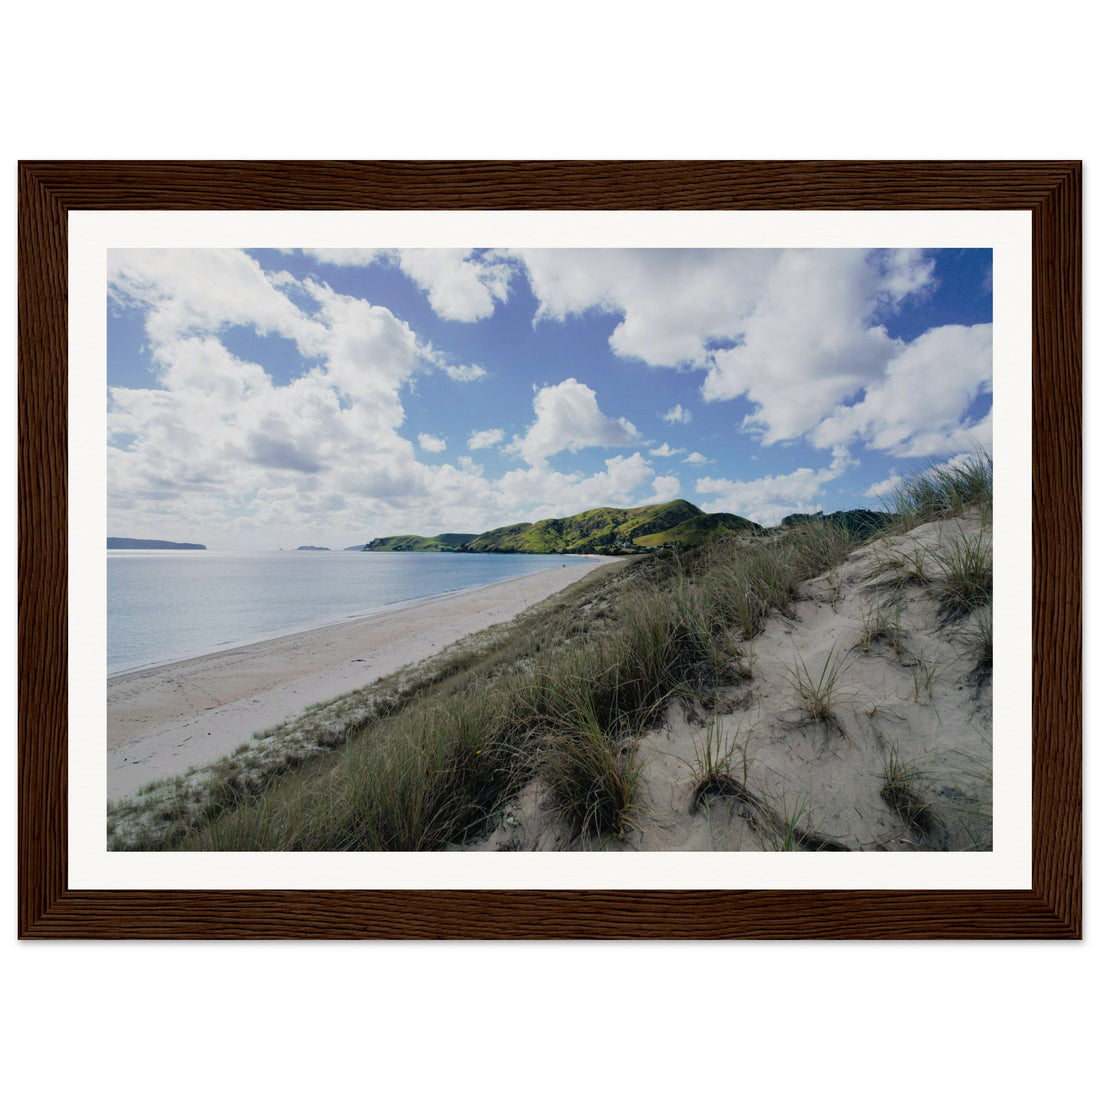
(264, 398)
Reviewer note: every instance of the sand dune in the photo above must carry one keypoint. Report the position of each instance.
(902, 762)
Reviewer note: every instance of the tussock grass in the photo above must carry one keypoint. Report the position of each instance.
(818, 692)
(966, 584)
(945, 491)
(902, 792)
(924, 674)
(880, 623)
(716, 760)
(593, 774)
(983, 640)
(903, 568)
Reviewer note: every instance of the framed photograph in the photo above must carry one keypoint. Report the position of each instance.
(695, 464)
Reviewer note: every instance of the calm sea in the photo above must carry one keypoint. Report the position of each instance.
(164, 605)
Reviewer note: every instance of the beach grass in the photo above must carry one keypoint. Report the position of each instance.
(564, 693)
(945, 491)
(428, 759)
(966, 564)
(819, 691)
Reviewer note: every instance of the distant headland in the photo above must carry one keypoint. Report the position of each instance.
(150, 544)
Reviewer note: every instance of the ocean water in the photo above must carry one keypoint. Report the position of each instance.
(164, 605)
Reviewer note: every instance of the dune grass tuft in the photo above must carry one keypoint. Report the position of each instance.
(818, 692)
(945, 491)
(717, 757)
(901, 791)
(966, 584)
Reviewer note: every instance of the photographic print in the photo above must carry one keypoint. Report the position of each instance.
(550, 550)
(444, 565)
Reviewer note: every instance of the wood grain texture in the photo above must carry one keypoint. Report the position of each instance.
(48, 190)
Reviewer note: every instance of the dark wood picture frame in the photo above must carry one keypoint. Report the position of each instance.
(1051, 191)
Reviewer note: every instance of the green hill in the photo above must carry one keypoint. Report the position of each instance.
(698, 529)
(437, 543)
(861, 522)
(597, 531)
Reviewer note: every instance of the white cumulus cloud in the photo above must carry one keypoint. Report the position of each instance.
(918, 405)
(677, 415)
(432, 443)
(188, 291)
(664, 488)
(536, 492)
(217, 446)
(480, 441)
(459, 287)
(767, 500)
(568, 418)
(796, 332)
(464, 373)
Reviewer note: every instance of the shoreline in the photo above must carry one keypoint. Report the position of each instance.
(255, 639)
(164, 719)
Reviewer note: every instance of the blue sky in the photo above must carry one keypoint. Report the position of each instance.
(267, 398)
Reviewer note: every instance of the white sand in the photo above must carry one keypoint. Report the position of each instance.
(162, 721)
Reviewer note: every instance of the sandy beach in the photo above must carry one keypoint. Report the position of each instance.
(163, 720)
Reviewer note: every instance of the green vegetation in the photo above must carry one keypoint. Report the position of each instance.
(967, 574)
(598, 531)
(676, 524)
(905, 568)
(434, 543)
(564, 693)
(881, 623)
(945, 491)
(431, 757)
(818, 691)
(696, 530)
(593, 773)
(715, 762)
(983, 638)
(861, 523)
(902, 792)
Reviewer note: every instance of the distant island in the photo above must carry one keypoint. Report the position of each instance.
(150, 544)
(598, 531)
(313, 548)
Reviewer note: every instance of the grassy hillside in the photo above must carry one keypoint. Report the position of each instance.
(861, 522)
(677, 524)
(600, 530)
(697, 530)
(436, 543)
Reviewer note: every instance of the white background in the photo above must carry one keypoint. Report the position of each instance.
(845, 80)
